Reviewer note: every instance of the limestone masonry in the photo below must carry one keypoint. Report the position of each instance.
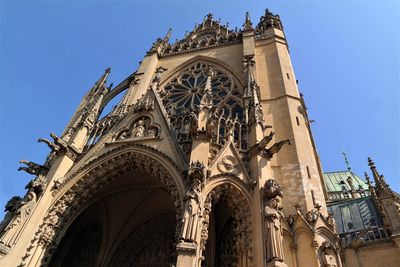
(208, 160)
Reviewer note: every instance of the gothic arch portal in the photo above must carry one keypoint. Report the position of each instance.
(84, 188)
(226, 230)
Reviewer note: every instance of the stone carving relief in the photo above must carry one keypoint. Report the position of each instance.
(228, 164)
(141, 127)
(312, 216)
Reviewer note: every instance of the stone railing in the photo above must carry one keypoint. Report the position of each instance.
(358, 238)
(339, 195)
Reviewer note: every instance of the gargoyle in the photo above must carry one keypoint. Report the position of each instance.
(33, 168)
(260, 146)
(54, 147)
(269, 153)
(58, 141)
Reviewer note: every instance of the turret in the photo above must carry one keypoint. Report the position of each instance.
(386, 199)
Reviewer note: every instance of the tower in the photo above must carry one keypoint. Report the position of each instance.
(208, 160)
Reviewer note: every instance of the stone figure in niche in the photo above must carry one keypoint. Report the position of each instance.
(274, 238)
(139, 129)
(13, 228)
(152, 132)
(191, 212)
(328, 255)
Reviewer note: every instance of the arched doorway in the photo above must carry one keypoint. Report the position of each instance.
(129, 222)
(228, 239)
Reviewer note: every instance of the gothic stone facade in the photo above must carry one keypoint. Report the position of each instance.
(208, 160)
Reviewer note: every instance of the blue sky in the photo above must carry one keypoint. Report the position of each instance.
(346, 56)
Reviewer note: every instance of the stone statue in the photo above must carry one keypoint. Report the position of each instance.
(273, 219)
(191, 213)
(328, 255)
(13, 228)
(139, 129)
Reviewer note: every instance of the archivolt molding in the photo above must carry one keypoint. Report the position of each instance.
(78, 187)
(231, 179)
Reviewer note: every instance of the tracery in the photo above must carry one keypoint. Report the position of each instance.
(182, 97)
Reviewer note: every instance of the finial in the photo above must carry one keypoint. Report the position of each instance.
(371, 163)
(347, 161)
(247, 24)
(107, 70)
(168, 35)
(209, 16)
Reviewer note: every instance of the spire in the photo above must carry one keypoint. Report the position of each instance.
(375, 173)
(123, 106)
(167, 36)
(247, 26)
(250, 95)
(101, 81)
(347, 161)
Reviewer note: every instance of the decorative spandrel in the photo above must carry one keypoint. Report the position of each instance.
(186, 94)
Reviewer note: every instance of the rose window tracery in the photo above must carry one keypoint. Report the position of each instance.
(182, 97)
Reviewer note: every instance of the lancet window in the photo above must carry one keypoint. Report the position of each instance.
(182, 97)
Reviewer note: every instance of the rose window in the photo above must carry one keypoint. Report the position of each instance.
(182, 96)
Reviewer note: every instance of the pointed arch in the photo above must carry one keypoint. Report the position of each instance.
(237, 201)
(79, 187)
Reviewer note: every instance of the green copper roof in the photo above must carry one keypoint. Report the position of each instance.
(333, 181)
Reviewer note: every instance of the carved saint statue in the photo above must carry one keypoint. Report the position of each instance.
(139, 129)
(273, 220)
(191, 213)
(11, 231)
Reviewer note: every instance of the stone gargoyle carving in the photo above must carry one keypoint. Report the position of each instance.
(267, 153)
(33, 168)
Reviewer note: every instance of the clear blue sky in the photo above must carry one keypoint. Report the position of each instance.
(345, 55)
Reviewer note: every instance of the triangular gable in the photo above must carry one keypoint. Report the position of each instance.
(153, 130)
(228, 160)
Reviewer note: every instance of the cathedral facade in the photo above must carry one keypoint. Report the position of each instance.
(208, 160)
